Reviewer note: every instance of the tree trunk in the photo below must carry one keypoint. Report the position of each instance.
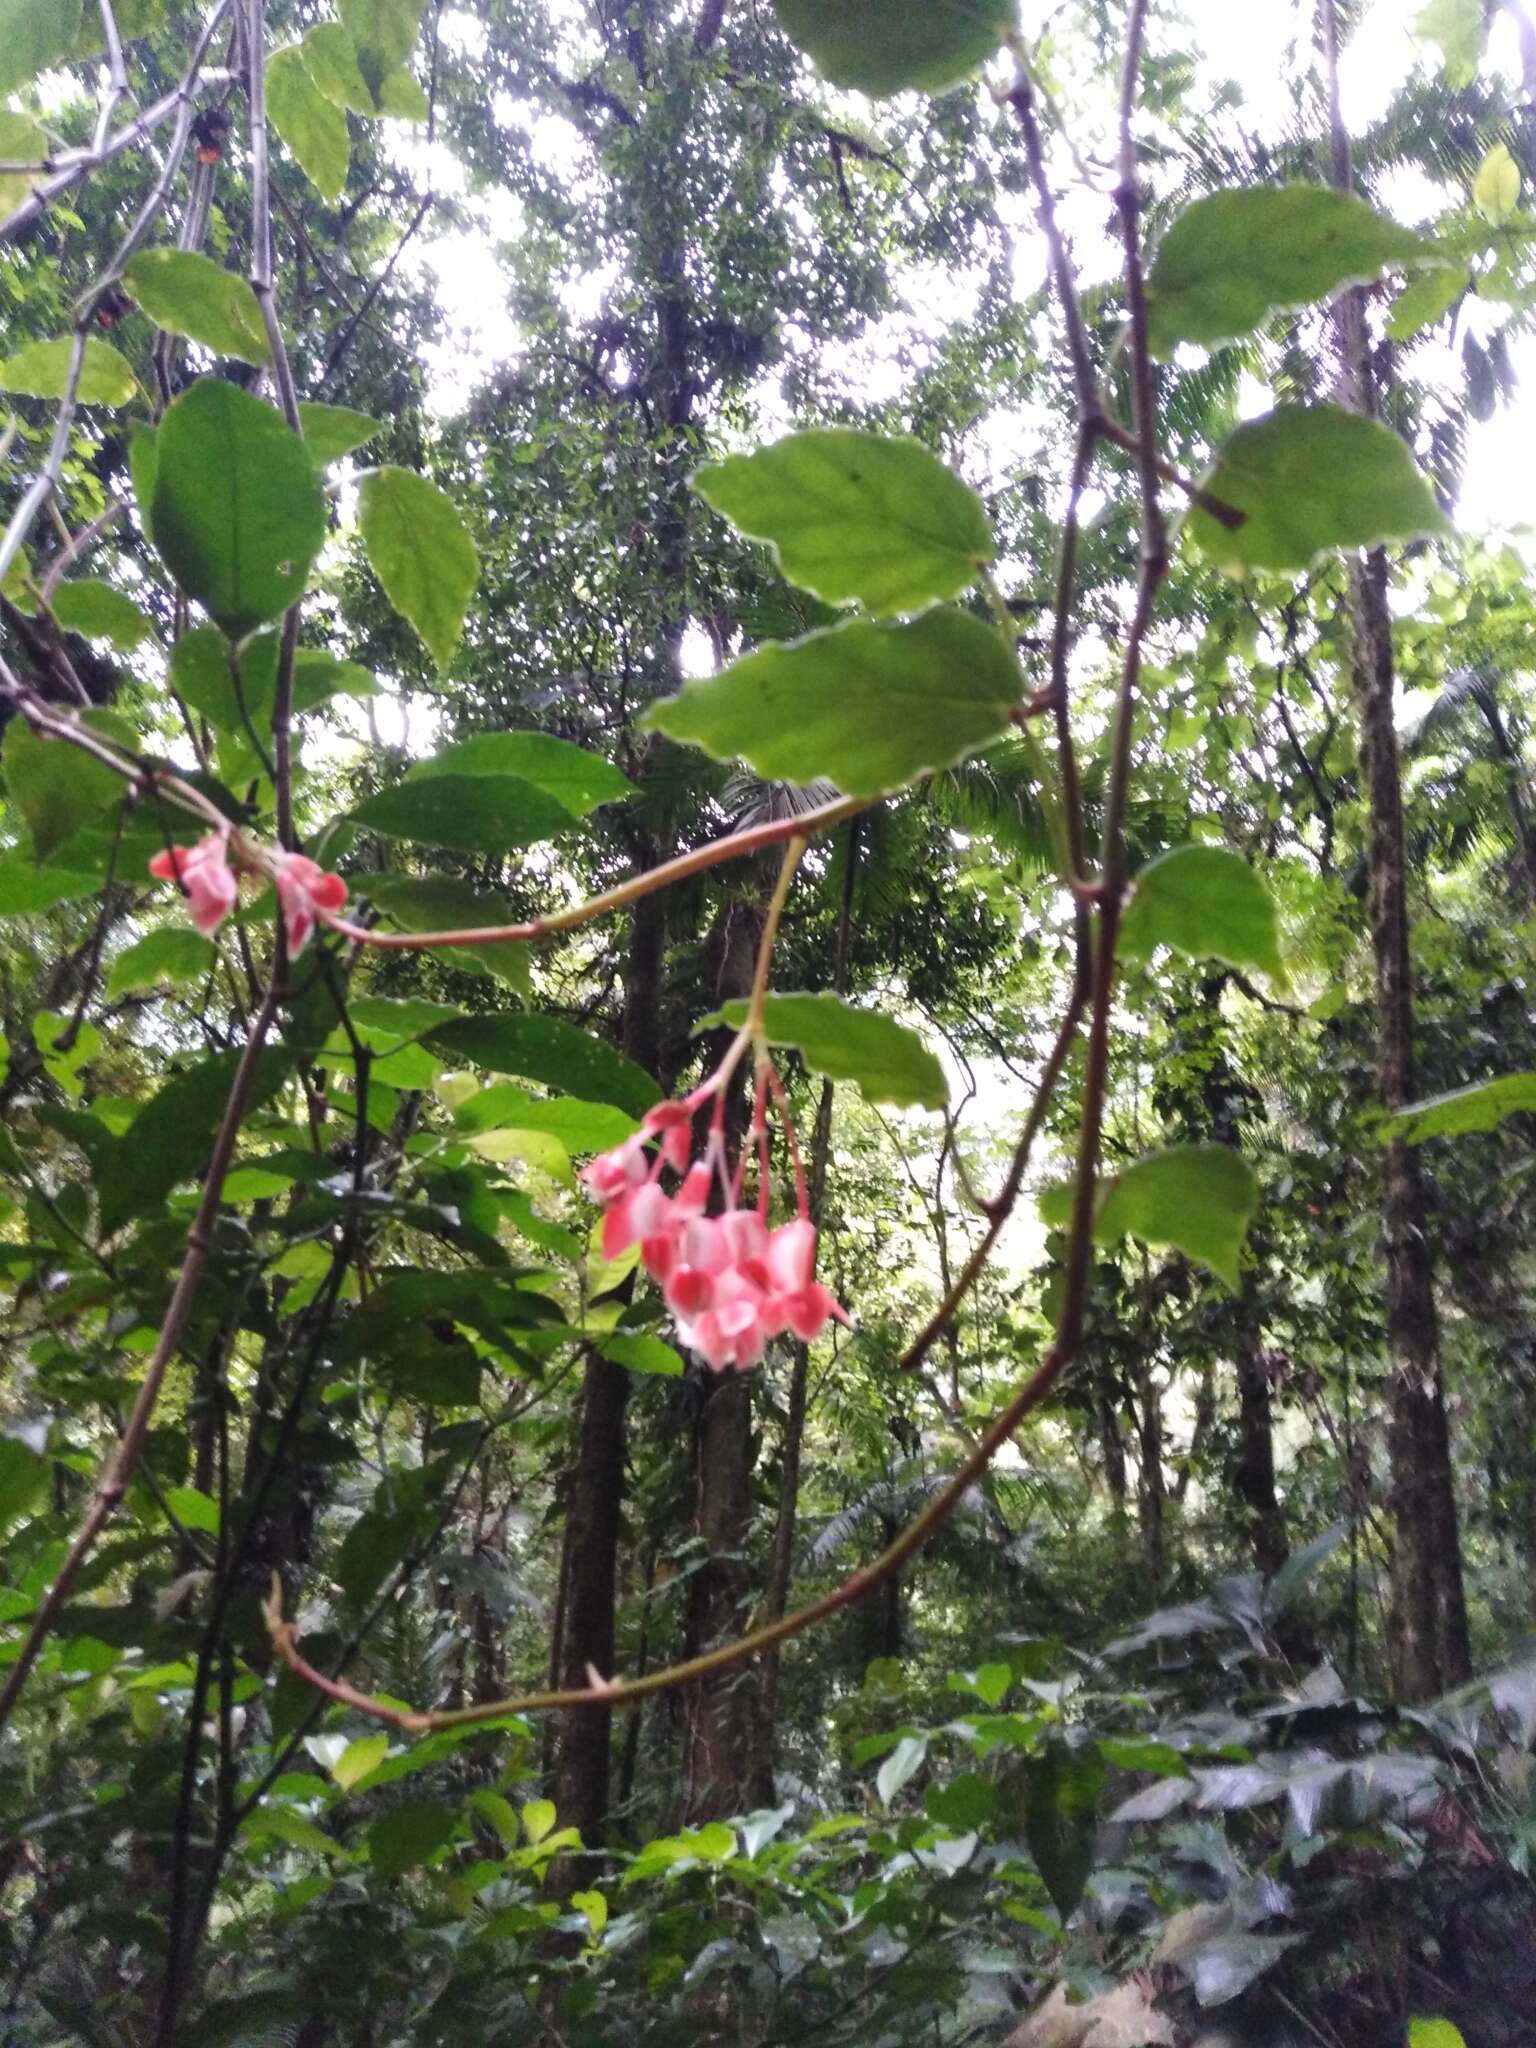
(1152, 1496)
(1253, 1473)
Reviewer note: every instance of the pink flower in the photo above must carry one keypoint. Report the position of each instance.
(303, 890)
(207, 880)
(611, 1175)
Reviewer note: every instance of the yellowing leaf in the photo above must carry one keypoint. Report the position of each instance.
(1496, 188)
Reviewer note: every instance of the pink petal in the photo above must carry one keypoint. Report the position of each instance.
(792, 1255)
(689, 1292)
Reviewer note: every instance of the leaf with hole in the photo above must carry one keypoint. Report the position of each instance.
(239, 515)
(1198, 1198)
(886, 46)
(313, 128)
(188, 294)
(421, 552)
(870, 707)
(856, 517)
(887, 1061)
(1207, 903)
(1233, 258)
(1308, 479)
(41, 370)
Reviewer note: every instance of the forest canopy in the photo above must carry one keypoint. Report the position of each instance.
(767, 886)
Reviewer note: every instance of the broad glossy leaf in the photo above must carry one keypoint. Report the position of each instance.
(853, 516)
(421, 552)
(58, 787)
(580, 1126)
(1061, 1804)
(331, 431)
(435, 903)
(1307, 479)
(1482, 1107)
(887, 1061)
(239, 514)
(1496, 188)
(188, 294)
(170, 1138)
(313, 128)
(1205, 902)
(469, 813)
(175, 953)
(22, 141)
(637, 1352)
(1198, 1198)
(331, 55)
(41, 370)
(1456, 27)
(1435, 2033)
(574, 777)
(100, 611)
(548, 1049)
(870, 707)
(885, 46)
(35, 35)
(1235, 257)
(358, 1759)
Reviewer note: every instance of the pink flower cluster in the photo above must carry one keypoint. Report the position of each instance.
(730, 1280)
(211, 886)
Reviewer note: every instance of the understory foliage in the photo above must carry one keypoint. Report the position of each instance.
(767, 872)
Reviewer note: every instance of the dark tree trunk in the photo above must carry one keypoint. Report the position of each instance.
(1152, 1496)
(1253, 1473)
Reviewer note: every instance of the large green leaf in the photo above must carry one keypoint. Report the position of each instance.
(27, 890)
(188, 294)
(873, 518)
(1205, 902)
(331, 55)
(870, 707)
(1061, 1803)
(580, 1126)
(888, 1062)
(41, 370)
(58, 787)
(421, 552)
(100, 611)
(548, 1049)
(22, 141)
(884, 46)
(171, 1137)
(1233, 258)
(409, 1834)
(383, 35)
(1198, 1198)
(1309, 478)
(435, 903)
(175, 953)
(1457, 28)
(331, 431)
(35, 35)
(1482, 1107)
(470, 813)
(239, 514)
(23, 1480)
(313, 128)
(574, 777)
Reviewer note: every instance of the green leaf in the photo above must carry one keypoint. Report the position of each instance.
(886, 46)
(185, 293)
(870, 707)
(41, 370)
(422, 554)
(194, 1510)
(175, 953)
(574, 777)
(853, 516)
(100, 611)
(1232, 259)
(331, 57)
(1427, 299)
(409, 1834)
(403, 98)
(383, 33)
(580, 1126)
(469, 813)
(239, 514)
(1482, 1107)
(1456, 27)
(58, 787)
(358, 1759)
(435, 903)
(1435, 2034)
(1198, 1198)
(637, 1352)
(331, 431)
(35, 35)
(1061, 1803)
(314, 129)
(888, 1062)
(539, 1817)
(171, 1137)
(1496, 188)
(318, 677)
(967, 1802)
(1205, 902)
(27, 890)
(548, 1049)
(22, 141)
(1307, 479)
(23, 1479)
